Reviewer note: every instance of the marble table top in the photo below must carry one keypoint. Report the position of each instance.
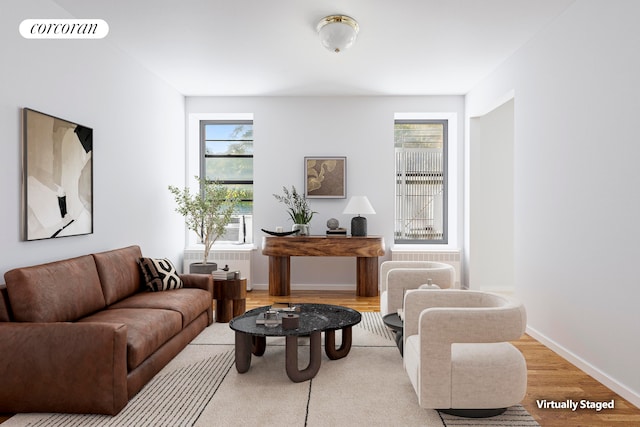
(313, 317)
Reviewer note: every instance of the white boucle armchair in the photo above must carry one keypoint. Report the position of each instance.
(457, 354)
(396, 277)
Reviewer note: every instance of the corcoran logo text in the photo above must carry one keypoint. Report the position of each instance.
(64, 28)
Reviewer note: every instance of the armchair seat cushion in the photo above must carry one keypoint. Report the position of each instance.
(487, 375)
(483, 375)
(147, 329)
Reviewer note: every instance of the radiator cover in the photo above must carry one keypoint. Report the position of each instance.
(237, 258)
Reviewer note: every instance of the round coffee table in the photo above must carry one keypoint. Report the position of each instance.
(250, 338)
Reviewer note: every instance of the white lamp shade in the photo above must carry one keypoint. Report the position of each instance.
(359, 205)
(337, 32)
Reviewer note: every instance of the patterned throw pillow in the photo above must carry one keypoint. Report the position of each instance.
(159, 274)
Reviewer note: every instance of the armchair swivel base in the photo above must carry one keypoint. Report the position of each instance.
(474, 413)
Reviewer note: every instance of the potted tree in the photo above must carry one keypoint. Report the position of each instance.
(298, 209)
(207, 214)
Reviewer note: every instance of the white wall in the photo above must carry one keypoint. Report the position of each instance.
(576, 181)
(286, 129)
(139, 131)
(490, 209)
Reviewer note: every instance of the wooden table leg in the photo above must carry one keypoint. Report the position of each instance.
(291, 358)
(243, 352)
(330, 344)
(258, 345)
(279, 275)
(367, 277)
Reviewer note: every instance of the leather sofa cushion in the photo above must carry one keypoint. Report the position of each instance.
(189, 302)
(119, 272)
(147, 329)
(61, 291)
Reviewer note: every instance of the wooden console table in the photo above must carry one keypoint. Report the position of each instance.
(366, 249)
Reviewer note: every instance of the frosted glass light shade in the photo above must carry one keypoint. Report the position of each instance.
(337, 32)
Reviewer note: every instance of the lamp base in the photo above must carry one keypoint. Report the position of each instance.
(358, 226)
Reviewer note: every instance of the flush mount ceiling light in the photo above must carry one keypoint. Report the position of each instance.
(337, 32)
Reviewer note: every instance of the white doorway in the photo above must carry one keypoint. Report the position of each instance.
(491, 258)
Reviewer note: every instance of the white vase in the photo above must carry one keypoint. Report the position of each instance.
(304, 229)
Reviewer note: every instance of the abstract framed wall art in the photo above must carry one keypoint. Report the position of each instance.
(325, 177)
(57, 177)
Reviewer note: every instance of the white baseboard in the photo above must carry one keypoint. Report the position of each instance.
(600, 376)
(310, 287)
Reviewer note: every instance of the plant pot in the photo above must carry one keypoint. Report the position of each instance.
(304, 229)
(200, 268)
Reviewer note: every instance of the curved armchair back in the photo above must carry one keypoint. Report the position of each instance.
(396, 277)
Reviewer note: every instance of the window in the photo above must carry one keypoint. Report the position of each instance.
(421, 183)
(227, 158)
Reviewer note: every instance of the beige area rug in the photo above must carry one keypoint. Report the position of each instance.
(201, 387)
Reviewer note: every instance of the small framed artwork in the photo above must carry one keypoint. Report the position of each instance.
(325, 177)
(57, 177)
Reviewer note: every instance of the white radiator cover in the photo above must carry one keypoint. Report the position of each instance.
(237, 258)
(451, 257)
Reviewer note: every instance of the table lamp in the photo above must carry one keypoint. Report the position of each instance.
(359, 205)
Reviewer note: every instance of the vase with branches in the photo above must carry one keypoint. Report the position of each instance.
(208, 212)
(297, 208)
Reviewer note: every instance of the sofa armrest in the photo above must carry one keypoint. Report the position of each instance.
(63, 367)
(201, 281)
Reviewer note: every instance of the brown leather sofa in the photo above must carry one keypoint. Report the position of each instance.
(82, 335)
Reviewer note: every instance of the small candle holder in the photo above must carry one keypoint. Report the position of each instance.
(271, 319)
(290, 321)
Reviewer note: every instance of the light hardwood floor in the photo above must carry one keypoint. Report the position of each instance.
(550, 376)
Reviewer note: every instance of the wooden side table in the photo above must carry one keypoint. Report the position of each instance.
(230, 296)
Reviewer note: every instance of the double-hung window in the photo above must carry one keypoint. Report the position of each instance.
(227, 158)
(421, 181)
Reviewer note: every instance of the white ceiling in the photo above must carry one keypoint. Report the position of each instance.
(270, 47)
